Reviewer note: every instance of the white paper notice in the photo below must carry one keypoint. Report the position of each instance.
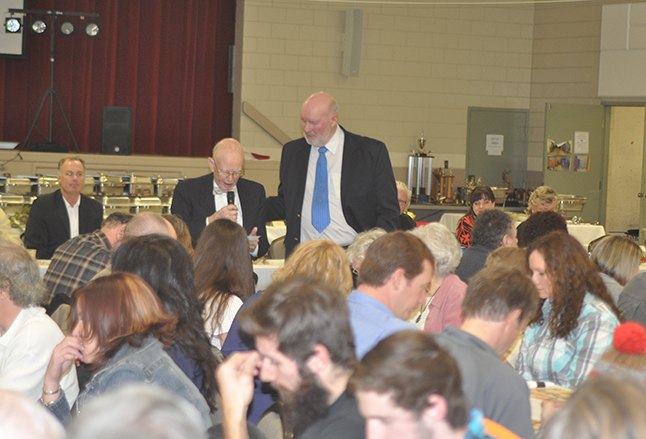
(581, 142)
(495, 143)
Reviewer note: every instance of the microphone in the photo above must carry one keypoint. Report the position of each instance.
(231, 197)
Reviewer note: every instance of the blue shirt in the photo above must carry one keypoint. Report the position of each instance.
(372, 321)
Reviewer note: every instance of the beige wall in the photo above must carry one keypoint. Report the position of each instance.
(421, 68)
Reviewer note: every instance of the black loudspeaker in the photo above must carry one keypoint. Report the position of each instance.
(117, 131)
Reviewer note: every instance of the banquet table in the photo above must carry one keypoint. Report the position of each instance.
(584, 233)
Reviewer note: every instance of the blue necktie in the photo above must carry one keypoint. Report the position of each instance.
(320, 204)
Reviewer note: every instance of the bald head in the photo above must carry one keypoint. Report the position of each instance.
(148, 223)
(227, 146)
(319, 119)
(227, 163)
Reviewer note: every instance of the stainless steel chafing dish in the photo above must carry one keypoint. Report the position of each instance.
(116, 204)
(572, 205)
(112, 185)
(22, 185)
(151, 204)
(165, 186)
(141, 186)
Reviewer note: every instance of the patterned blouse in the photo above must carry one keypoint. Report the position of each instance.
(567, 361)
(463, 230)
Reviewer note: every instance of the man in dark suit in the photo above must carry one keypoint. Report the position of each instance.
(359, 190)
(54, 218)
(200, 201)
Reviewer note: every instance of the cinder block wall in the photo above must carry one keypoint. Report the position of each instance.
(421, 68)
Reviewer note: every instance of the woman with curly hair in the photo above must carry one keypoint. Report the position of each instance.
(223, 276)
(577, 318)
(168, 268)
(481, 198)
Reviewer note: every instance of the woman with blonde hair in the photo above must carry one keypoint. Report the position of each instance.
(320, 260)
(617, 258)
(543, 199)
(120, 330)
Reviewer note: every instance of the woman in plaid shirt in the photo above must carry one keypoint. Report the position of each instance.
(577, 318)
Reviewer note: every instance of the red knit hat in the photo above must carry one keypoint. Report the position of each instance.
(630, 338)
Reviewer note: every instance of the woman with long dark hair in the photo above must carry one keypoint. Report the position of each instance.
(120, 330)
(481, 198)
(166, 265)
(577, 318)
(223, 275)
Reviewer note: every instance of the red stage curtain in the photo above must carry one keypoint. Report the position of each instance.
(165, 58)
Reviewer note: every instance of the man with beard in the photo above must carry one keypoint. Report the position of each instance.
(333, 183)
(305, 349)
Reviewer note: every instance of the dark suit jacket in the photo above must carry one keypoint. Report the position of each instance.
(48, 225)
(368, 191)
(193, 202)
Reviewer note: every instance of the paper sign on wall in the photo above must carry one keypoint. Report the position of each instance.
(581, 142)
(495, 143)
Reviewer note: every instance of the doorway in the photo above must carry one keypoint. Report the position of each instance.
(625, 162)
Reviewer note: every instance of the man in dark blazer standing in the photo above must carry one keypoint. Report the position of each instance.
(54, 218)
(359, 186)
(195, 199)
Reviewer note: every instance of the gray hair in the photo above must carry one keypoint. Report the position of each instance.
(402, 185)
(19, 273)
(138, 412)
(490, 228)
(22, 418)
(72, 158)
(357, 250)
(443, 245)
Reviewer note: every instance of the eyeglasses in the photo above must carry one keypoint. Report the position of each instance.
(224, 174)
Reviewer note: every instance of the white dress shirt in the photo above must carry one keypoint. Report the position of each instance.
(338, 230)
(73, 214)
(220, 198)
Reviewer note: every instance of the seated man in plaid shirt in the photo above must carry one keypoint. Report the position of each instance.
(77, 261)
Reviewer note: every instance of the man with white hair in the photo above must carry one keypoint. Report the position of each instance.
(406, 218)
(200, 201)
(27, 335)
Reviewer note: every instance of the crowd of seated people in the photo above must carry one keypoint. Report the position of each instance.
(382, 340)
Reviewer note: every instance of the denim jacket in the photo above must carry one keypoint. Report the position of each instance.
(148, 364)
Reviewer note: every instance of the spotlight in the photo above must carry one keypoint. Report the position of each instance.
(12, 25)
(92, 29)
(38, 26)
(67, 28)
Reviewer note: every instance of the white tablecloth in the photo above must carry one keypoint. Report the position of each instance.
(264, 269)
